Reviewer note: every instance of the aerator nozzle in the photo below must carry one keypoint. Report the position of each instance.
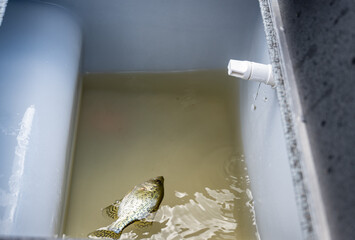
(251, 71)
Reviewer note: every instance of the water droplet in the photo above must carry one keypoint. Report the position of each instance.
(265, 99)
(253, 107)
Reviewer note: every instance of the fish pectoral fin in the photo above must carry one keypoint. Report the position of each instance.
(111, 211)
(104, 234)
(144, 223)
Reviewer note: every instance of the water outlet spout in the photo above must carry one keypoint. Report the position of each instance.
(251, 71)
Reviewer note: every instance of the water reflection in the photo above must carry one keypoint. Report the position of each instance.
(163, 130)
(205, 215)
(210, 214)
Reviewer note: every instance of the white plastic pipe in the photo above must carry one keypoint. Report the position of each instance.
(251, 71)
(40, 46)
(2, 9)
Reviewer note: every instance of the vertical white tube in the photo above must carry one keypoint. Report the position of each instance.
(40, 48)
(2, 9)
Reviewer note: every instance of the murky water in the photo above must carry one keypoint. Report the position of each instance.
(182, 126)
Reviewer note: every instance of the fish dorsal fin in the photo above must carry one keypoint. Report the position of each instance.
(111, 211)
(104, 234)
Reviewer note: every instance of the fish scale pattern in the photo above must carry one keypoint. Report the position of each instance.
(137, 205)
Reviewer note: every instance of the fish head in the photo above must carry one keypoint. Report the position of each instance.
(157, 180)
(153, 185)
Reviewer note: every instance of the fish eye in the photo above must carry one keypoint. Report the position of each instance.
(158, 180)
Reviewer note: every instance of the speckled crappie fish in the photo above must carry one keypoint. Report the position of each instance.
(137, 205)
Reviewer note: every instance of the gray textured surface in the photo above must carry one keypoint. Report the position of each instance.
(293, 148)
(321, 38)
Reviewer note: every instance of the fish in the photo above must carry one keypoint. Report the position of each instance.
(139, 204)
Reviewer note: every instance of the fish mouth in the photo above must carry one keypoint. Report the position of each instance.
(159, 178)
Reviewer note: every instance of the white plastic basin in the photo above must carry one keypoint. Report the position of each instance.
(44, 48)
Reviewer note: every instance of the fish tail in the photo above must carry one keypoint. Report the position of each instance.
(104, 233)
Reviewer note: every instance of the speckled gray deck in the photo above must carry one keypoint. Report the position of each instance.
(293, 146)
(321, 40)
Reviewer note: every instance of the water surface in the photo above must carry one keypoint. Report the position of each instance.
(182, 126)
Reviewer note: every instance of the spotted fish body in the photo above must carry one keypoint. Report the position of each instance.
(137, 205)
